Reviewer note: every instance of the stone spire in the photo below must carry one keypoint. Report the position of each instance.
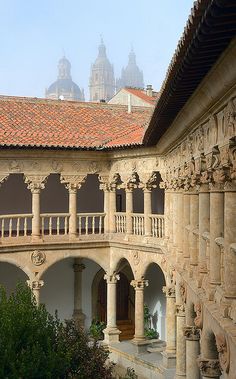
(102, 81)
(131, 75)
(64, 88)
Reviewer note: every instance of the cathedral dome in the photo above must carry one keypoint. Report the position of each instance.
(131, 75)
(64, 87)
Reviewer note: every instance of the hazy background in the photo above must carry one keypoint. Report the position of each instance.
(35, 33)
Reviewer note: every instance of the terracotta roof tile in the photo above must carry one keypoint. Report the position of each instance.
(30, 122)
(142, 95)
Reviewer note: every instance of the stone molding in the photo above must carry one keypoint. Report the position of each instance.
(139, 284)
(192, 333)
(210, 368)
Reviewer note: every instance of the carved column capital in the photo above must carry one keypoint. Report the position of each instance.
(169, 291)
(73, 182)
(209, 368)
(104, 182)
(35, 183)
(180, 310)
(139, 284)
(191, 333)
(112, 278)
(35, 284)
(78, 267)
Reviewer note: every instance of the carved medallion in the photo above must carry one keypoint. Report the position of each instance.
(57, 166)
(38, 257)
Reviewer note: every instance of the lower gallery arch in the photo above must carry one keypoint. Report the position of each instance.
(155, 299)
(68, 289)
(10, 275)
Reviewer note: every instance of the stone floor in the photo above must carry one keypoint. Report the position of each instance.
(147, 365)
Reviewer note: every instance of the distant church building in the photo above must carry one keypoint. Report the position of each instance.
(64, 88)
(131, 75)
(102, 80)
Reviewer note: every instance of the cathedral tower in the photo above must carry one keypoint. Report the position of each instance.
(131, 75)
(102, 81)
(64, 88)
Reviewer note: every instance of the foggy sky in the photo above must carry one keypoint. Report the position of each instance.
(34, 35)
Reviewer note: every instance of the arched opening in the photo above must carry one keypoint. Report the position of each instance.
(155, 299)
(15, 200)
(11, 275)
(68, 289)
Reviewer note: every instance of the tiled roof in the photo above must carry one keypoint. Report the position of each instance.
(30, 122)
(142, 95)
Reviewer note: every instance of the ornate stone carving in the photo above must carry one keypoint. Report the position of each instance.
(93, 167)
(15, 166)
(133, 181)
(198, 321)
(180, 310)
(209, 368)
(57, 166)
(35, 183)
(115, 181)
(192, 333)
(183, 292)
(139, 284)
(169, 290)
(224, 352)
(73, 182)
(112, 278)
(38, 257)
(35, 284)
(230, 118)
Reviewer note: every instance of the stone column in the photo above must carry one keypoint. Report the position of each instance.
(166, 213)
(170, 218)
(210, 368)
(170, 319)
(230, 239)
(73, 183)
(78, 315)
(179, 219)
(216, 230)
(111, 332)
(35, 286)
(147, 198)
(194, 217)
(175, 217)
(112, 207)
(204, 224)
(36, 183)
(129, 210)
(139, 286)
(105, 188)
(180, 342)
(186, 224)
(192, 335)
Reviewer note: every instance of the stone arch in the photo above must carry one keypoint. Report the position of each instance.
(157, 259)
(14, 262)
(118, 256)
(11, 274)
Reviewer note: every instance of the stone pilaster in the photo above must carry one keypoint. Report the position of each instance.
(216, 230)
(210, 368)
(78, 315)
(36, 183)
(180, 342)
(230, 239)
(111, 332)
(139, 286)
(192, 335)
(35, 286)
(73, 183)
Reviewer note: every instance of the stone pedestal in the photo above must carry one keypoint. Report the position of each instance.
(139, 286)
(192, 335)
(111, 333)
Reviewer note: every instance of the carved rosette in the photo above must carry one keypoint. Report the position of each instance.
(209, 368)
(224, 352)
(169, 291)
(198, 321)
(112, 279)
(192, 333)
(38, 257)
(139, 284)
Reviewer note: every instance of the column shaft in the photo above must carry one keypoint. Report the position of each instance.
(78, 314)
(204, 225)
(180, 344)
(147, 211)
(194, 216)
(129, 211)
(106, 210)
(186, 223)
(192, 353)
(36, 213)
(111, 332)
(230, 238)
(216, 230)
(73, 212)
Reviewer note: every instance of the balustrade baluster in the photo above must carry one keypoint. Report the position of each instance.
(50, 225)
(93, 225)
(2, 227)
(86, 224)
(66, 225)
(10, 227)
(58, 225)
(100, 224)
(18, 226)
(25, 226)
